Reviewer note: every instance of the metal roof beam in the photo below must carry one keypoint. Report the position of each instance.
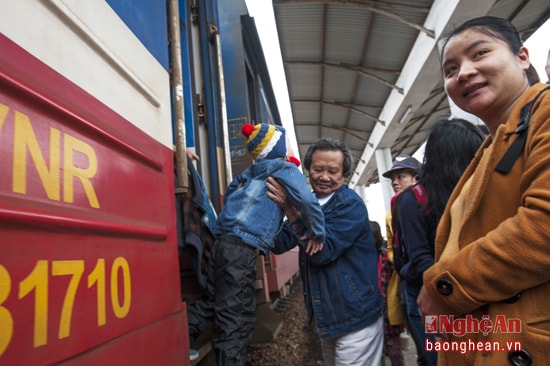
(372, 6)
(343, 105)
(359, 69)
(347, 130)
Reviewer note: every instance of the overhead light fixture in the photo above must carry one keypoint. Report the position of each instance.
(406, 115)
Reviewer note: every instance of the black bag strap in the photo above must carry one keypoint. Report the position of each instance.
(514, 151)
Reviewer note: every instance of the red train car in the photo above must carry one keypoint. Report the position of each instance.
(88, 266)
(96, 99)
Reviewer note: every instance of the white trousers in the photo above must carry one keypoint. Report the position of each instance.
(362, 348)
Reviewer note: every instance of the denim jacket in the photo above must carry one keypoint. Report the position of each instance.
(255, 218)
(340, 281)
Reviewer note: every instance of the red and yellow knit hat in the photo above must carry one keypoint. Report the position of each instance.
(265, 141)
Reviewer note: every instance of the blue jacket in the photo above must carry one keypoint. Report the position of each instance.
(340, 281)
(250, 215)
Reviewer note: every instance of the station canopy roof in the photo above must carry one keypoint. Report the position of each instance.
(367, 72)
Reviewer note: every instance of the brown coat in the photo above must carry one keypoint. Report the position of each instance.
(499, 264)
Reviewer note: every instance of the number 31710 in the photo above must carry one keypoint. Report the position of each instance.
(37, 282)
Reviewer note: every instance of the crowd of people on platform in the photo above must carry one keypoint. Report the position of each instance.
(465, 237)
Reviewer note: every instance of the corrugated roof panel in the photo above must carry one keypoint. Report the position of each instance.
(359, 122)
(346, 33)
(373, 92)
(338, 84)
(345, 58)
(389, 44)
(302, 32)
(304, 80)
(306, 112)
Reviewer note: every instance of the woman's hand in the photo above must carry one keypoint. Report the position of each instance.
(426, 305)
(429, 307)
(276, 191)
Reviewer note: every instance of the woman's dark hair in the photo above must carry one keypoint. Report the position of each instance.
(450, 147)
(491, 26)
(379, 241)
(532, 75)
(328, 144)
(499, 28)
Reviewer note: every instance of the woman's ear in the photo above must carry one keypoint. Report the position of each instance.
(523, 57)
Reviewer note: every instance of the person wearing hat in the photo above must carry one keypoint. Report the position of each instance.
(246, 227)
(402, 174)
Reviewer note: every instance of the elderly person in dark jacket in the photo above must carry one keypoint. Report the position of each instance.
(340, 281)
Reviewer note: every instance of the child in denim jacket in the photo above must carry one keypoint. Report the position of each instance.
(246, 227)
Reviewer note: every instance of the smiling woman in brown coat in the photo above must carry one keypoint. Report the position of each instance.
(493, 241)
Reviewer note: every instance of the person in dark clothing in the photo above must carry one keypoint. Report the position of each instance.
(402, 174)
(450, 148)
